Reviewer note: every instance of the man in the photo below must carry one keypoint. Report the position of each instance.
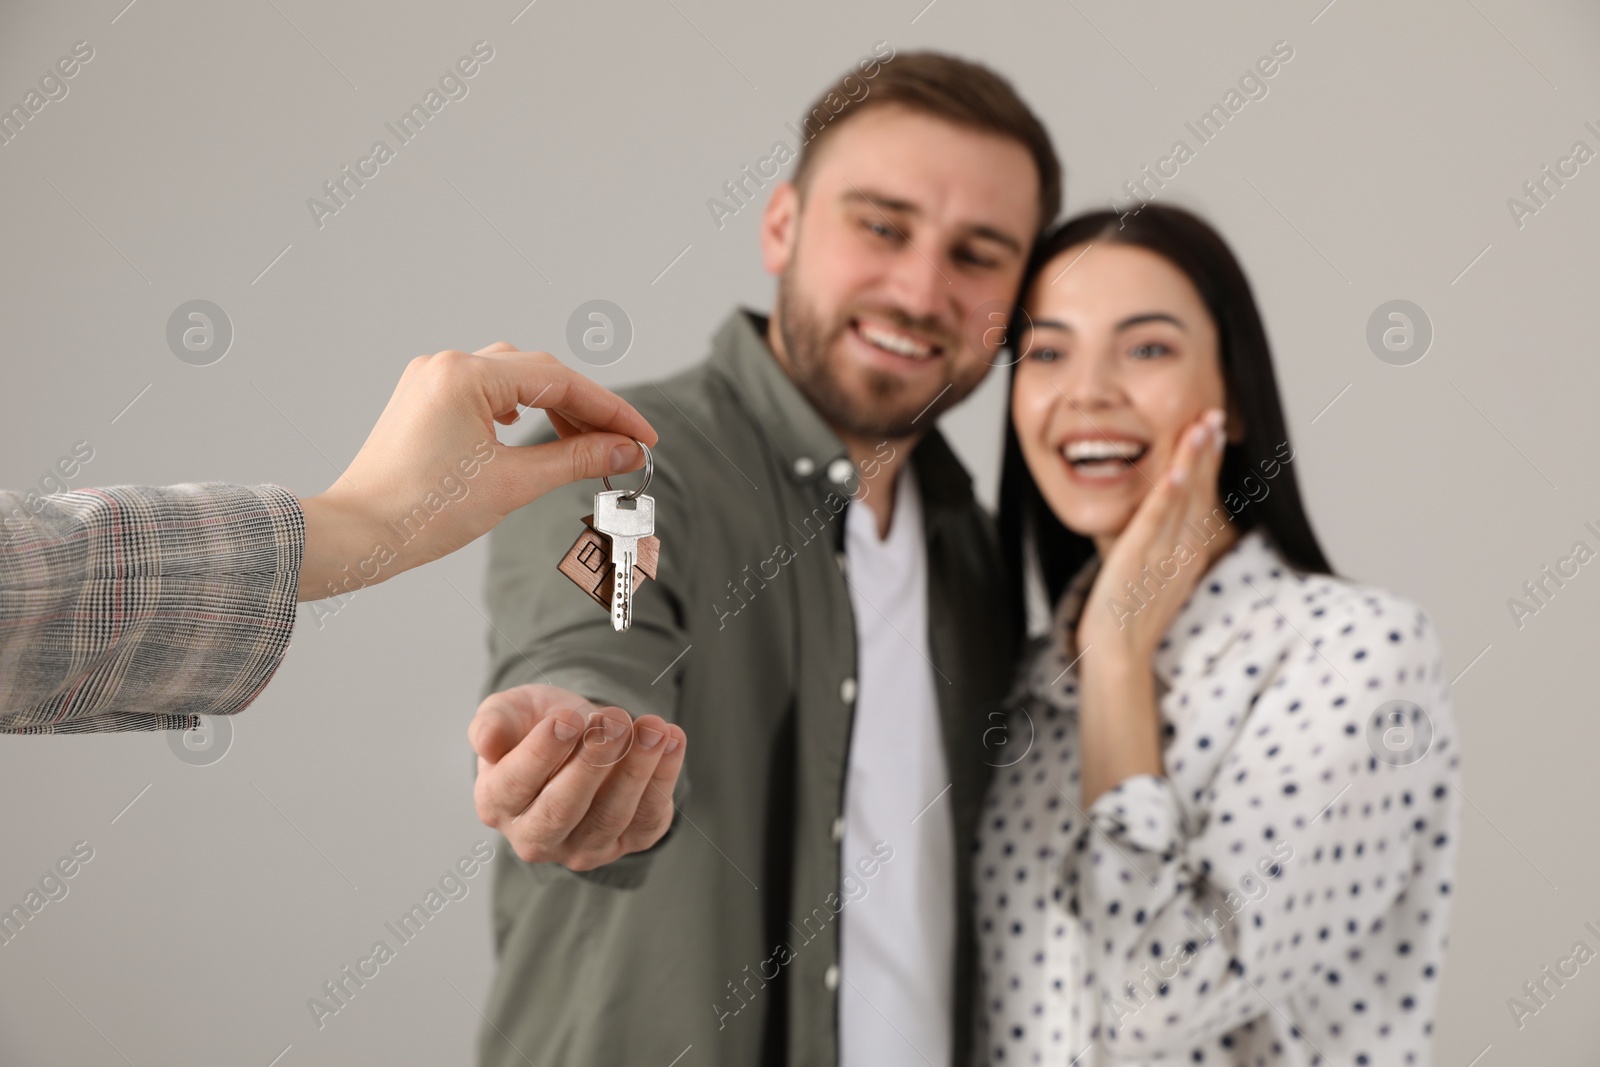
(142, 608)
(827, 627)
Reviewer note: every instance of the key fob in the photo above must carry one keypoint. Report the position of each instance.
(588, 563)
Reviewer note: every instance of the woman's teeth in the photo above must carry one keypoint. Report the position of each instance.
(1102, 457)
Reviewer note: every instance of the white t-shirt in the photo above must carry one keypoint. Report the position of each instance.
(897, 933)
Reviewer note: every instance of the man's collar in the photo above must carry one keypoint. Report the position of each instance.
(806, 444)
(809, 449)
(1249, 574)
(945, 484)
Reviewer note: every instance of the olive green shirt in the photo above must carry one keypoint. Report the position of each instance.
(721, 937)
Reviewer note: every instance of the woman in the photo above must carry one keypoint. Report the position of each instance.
(1223, 828)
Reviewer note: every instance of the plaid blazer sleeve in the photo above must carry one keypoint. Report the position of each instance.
(136, 608)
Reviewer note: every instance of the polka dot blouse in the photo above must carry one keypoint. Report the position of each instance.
(1280, 895)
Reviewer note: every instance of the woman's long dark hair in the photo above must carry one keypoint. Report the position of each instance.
(1191, 245)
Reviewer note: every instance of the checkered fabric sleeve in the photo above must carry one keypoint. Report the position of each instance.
(137, 608)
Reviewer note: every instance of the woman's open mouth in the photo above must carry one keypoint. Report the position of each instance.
(1102, 459)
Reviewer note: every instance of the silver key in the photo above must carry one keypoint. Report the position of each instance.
(625, 517)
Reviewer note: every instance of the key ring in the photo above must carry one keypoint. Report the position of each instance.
(649, 472)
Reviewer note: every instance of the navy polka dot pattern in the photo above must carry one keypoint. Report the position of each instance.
(1281, 894)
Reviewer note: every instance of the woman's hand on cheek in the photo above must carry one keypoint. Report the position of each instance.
(1162, 552)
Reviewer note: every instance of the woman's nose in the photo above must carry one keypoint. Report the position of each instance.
(1089, 379)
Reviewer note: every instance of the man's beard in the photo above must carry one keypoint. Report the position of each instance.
(886, 407)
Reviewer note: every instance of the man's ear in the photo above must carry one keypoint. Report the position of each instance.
(780, 225)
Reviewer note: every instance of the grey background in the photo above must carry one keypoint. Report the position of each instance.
(578, 167)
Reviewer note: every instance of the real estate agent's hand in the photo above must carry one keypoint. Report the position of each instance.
(432, 477)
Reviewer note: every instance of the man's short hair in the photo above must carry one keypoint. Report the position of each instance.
(943, 86)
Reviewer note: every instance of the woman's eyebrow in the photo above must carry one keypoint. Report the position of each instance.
(1131, 320)
(1151, 316)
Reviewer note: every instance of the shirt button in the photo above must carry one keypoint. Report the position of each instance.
(847, 690)
(839, 471)
(830, 977)
(838, 828)
(843, 561)
(804, 466)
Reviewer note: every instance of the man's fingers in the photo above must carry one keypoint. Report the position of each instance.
(496, 730)
(506, 787)
(505, 718)
(617, 800)
(566, 798)
(655, 812)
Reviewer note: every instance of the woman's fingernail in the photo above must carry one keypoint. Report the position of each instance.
(1215, 417)
(1198, 435)
(672, 746)
(649, 738)
(1178, 475)
(623, 458)
(565, 731)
